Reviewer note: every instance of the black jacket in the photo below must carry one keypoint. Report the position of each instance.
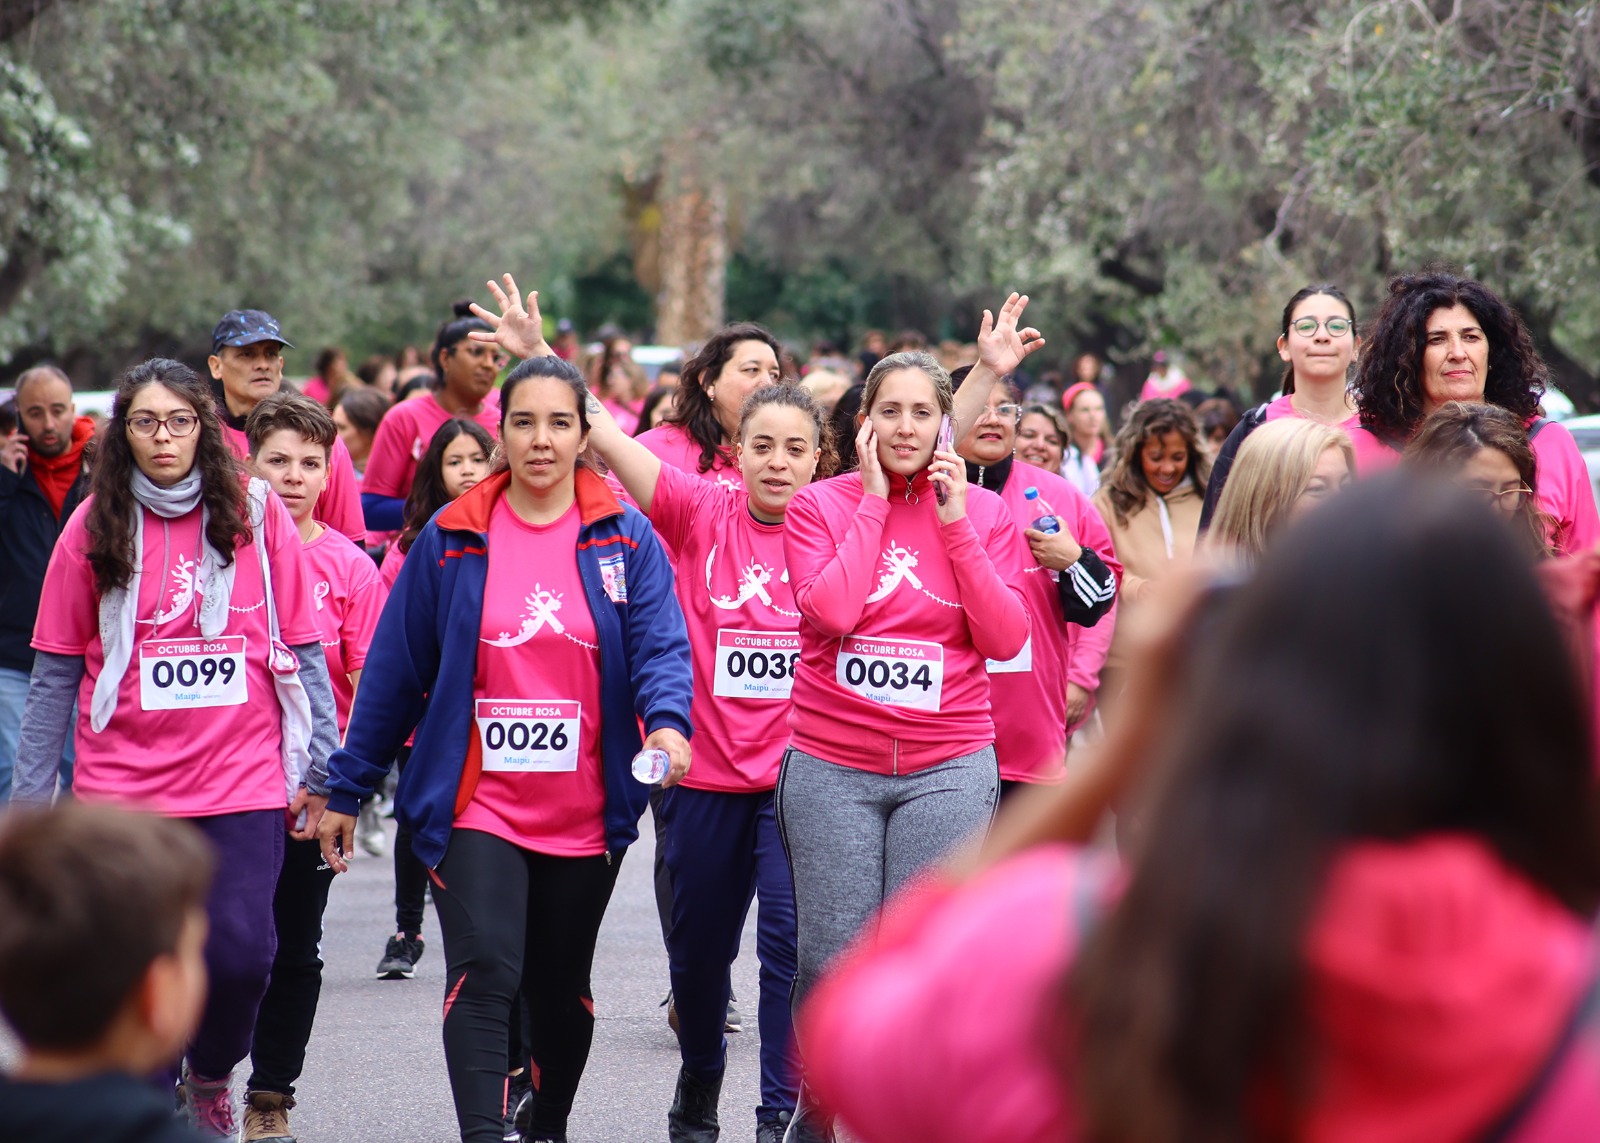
(106, 1109)
(28, 533)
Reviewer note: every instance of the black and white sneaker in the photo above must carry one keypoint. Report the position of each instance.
(400, 957)
(519, 1106)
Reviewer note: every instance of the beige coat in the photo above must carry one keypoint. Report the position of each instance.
(1142, 547)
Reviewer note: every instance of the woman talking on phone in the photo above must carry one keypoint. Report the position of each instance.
(902, 575)
(534, 627)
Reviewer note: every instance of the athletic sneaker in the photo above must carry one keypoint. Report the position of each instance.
(732, 1020)
(369, 829)
(771, 1130)
(518, 1088)
(206, 1106)
(400, 957)
(266, 1117)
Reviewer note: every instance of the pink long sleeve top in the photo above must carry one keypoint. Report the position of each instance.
(899, 614)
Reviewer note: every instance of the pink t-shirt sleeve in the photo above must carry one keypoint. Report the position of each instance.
(831, 581)
(360, 620)
(680, 504)
(340, 506)
(69, 612)
(291, 579)
(389, 570)
(390, 465)
(1565, 493)
(936, 1017)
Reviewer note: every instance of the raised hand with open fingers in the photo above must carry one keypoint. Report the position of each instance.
(517, 330)
(1002, 346)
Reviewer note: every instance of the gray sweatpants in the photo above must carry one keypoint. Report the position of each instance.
(854, 837)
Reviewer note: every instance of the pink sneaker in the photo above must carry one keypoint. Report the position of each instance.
(207, 1105)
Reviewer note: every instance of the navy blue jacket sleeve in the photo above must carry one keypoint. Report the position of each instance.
(402, 665)
(658, 640)
(383, 513)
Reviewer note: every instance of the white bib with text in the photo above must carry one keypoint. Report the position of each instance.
(756, 664)
(527, 736)
(186, 674)
(1019, 664)
(896, 672)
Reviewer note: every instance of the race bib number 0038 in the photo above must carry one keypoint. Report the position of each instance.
(186, 674)
(529, 737)
(896, 672)
(756, 664)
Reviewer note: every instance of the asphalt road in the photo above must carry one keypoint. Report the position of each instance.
(375, 1067)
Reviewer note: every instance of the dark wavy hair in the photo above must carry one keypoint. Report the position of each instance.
(794, 397)
(451, 333)
(428, 493)
(1457, 432)
(294, 412)
(1302, 729)
(110, 520)
(1389, 378)
(1321, 289)
(1124, 481)
(695, 413)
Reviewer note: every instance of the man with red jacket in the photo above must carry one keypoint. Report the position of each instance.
(42, 478)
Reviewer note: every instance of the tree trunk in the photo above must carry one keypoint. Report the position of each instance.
(694, 248)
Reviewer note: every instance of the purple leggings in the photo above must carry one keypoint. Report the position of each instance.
(242, 940)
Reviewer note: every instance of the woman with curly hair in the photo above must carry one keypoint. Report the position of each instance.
(177, 612)
(1150, 499)
(1441, 338)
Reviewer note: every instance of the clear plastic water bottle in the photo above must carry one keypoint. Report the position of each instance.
(650, 765)
(1046, 520)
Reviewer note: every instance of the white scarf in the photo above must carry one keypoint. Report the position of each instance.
(119, 606)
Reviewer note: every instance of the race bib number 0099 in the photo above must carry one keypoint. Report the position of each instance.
(896, 672)
(187, 674)
(756, 664)
(528, 737)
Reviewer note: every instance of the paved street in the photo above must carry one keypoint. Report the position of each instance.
(375, 1071)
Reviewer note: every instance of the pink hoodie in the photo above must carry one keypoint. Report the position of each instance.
(900, 613)
(1029, 693)
(1440, 983)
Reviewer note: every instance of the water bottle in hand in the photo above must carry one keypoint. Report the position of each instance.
(1046, 520)
(650, 765)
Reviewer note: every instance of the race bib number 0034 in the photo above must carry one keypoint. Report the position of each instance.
(186, 674)
(896, 672)
(756, 664)
(529, 736)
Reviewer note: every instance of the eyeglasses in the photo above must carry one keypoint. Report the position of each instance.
(1308, 326)
(178, 425)
(1505, 499)
(1012, 413)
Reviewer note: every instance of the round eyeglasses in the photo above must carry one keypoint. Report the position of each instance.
(1308, 326)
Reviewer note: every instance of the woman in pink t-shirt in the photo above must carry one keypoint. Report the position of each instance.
(1441, 338)
(202, 695)
(907, 581)
(698, 435)
(531, 632)
(465, 370)
(721, 832)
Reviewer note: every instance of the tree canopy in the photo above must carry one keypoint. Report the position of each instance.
(1161, 173)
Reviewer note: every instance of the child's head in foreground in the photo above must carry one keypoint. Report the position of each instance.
(75, 881)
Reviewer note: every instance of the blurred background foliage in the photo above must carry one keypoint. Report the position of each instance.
(1156, 173)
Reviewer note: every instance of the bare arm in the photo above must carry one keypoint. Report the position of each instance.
(1001, 348)
(630, 462)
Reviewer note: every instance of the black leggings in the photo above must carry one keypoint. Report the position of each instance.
(511, 920)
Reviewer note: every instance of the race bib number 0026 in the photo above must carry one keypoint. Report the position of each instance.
(896, 672)
(186, 674)
(529, 737)
(756, 664)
